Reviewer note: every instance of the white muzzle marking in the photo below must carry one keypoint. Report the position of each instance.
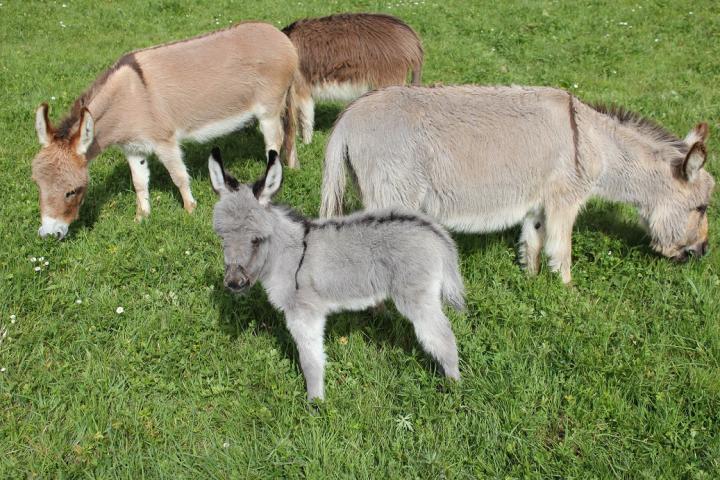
(54, 227)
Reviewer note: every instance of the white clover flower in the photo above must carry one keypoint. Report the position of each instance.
(33, 259)
(119, 310)
(187, 252)
(46, 263)
(226, 444)
(41, 259)
(37, 269)
(3, 370)
(78, 301)
(12, 318)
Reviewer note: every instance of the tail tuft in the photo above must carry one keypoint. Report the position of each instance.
(290, 125)
(334, 176)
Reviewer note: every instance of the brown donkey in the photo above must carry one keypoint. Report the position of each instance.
(343, 56)
(152, 99)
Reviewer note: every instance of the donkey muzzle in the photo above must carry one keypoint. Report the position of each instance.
(53, 227)
(236, 280)
(698, 250)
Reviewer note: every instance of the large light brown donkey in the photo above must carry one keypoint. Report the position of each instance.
(153, 99)
(343, 56)
(483, 159)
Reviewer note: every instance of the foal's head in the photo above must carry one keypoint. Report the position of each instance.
(679, 223)
(242, 220)
(60, 171)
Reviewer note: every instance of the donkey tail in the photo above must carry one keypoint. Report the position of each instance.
(416, 74)
(452, 288)
(290, 123)
(334, 176)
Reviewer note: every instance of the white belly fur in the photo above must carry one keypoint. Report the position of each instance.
(334, 91)
(487, 222)
(217, 128)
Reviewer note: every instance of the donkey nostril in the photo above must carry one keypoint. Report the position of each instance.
(233, 285)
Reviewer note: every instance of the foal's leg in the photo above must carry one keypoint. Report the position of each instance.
(307, 329)
(433, 330)
(531, 241)
(559, 220)
(171, 156)
(141, 181)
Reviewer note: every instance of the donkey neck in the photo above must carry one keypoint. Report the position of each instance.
(635, 170)
(102, 98)
(287, 247)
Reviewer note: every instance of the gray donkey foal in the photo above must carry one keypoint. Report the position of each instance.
(312, 268)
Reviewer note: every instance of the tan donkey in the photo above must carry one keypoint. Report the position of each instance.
(483, 159)
(343, 56)
(151, 100)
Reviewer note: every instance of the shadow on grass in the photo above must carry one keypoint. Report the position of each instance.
(326, 114)
(383, 326)
(246, 143)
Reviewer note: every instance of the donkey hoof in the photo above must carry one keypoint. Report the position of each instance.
(141, 215)
(190, 206)
(307, 138)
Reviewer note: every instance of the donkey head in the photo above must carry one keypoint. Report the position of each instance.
(60, 171)
(243, 221)
(679, 223)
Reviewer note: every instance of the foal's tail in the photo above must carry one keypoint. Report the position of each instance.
(452, 287)
(334, 177)
(290, 124)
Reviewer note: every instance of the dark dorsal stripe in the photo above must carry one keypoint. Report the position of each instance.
(575, 133)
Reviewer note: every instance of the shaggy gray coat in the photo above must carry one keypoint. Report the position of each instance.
(311, 268)
(483, 159)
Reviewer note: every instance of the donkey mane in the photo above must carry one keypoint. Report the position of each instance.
(638, 122)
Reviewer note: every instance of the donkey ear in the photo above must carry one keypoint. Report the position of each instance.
(694, 161)
(268, 186)
(700, 133)
(42, 125)
(85, 134)
(222, 182)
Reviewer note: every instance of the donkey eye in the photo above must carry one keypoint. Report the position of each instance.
(257, 240)
(70, 193)
(702, 209)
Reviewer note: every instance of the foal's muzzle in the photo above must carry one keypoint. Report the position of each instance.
(236, 280)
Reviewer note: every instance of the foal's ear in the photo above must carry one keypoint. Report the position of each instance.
(700, 133)
(694, 161)
(85, 135)
(222, 182)
(43, 128)
(266, 187)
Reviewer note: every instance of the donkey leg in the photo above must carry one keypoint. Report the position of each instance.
(531, 242)
(559, 221)
(307, 330)
(272, 130)
(433, 331)
(141, 181)
(171, 156)
(307, 118)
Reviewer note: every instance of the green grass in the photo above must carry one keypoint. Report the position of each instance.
(616, 377)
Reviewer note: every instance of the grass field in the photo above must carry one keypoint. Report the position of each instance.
(618, 376)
